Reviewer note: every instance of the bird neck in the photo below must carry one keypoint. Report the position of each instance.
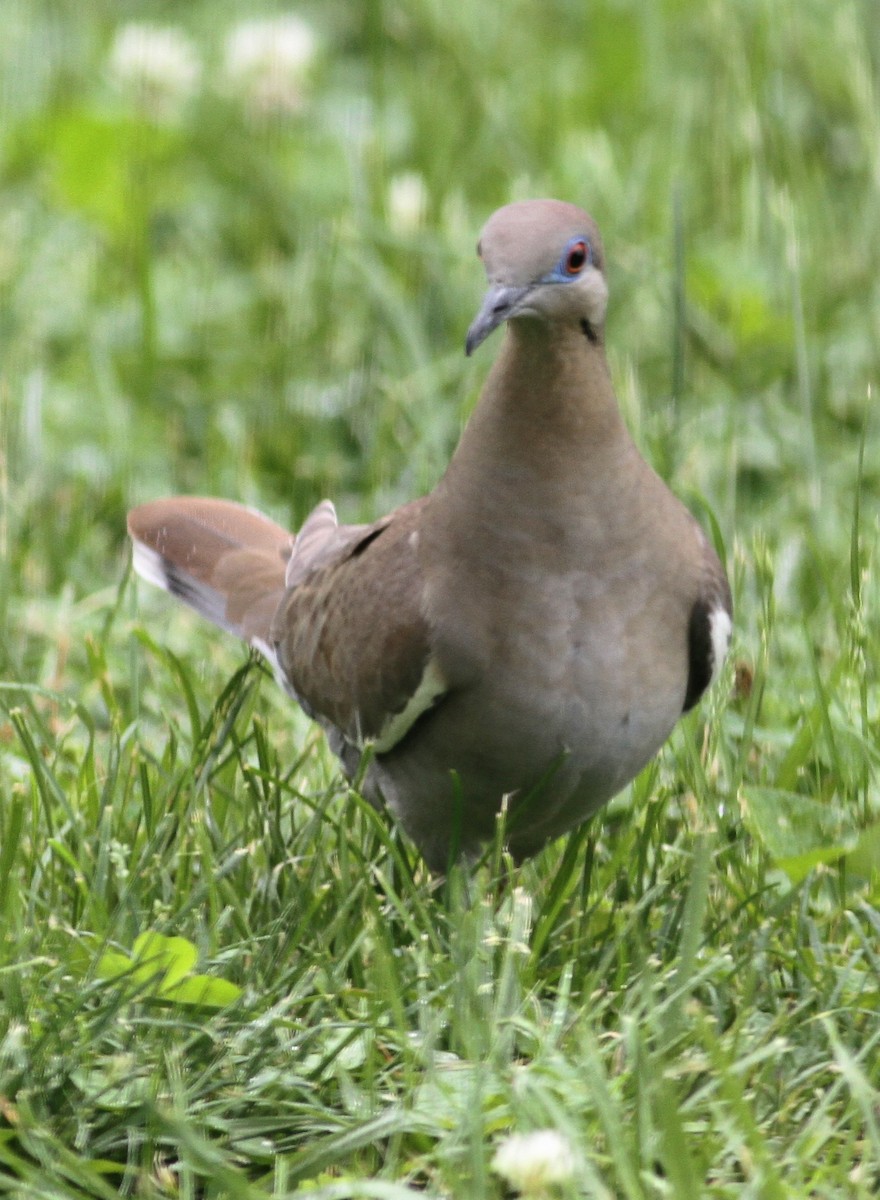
(547, 409)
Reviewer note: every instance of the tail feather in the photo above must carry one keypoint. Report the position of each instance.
(222, 559)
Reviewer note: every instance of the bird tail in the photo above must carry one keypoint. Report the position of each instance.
(224, 560)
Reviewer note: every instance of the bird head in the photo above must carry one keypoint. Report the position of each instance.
(544, 262)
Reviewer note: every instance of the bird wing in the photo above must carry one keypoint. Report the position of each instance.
(709, 626)
(352, 640)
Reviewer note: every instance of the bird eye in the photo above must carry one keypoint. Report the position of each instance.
(576, 257)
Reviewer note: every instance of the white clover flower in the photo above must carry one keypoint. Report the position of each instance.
(267, 62)
(158, 66)
(407, 202)
(531, 1162)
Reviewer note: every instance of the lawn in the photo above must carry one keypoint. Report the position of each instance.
(245, 267)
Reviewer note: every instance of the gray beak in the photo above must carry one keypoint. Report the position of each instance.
(499, 303)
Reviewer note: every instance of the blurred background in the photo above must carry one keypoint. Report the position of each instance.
(237, 249)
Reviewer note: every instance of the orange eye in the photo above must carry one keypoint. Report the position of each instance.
(577, 258)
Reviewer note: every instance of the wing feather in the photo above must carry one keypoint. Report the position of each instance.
(352, 637)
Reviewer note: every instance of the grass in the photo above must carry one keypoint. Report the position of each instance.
(221, 973)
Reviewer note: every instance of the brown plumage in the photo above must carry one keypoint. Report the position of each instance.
(545, 614)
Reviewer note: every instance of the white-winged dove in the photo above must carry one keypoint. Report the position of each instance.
(532, 629)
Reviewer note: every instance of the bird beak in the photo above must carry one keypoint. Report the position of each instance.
(499, 303)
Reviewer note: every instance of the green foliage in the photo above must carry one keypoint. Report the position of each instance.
(213, 297)
(162, 968)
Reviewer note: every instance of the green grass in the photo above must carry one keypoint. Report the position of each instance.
(688, 989)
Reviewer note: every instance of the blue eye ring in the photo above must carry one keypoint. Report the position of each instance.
(578, 255)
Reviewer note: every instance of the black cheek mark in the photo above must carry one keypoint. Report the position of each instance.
(590, 332)
(700, 656)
